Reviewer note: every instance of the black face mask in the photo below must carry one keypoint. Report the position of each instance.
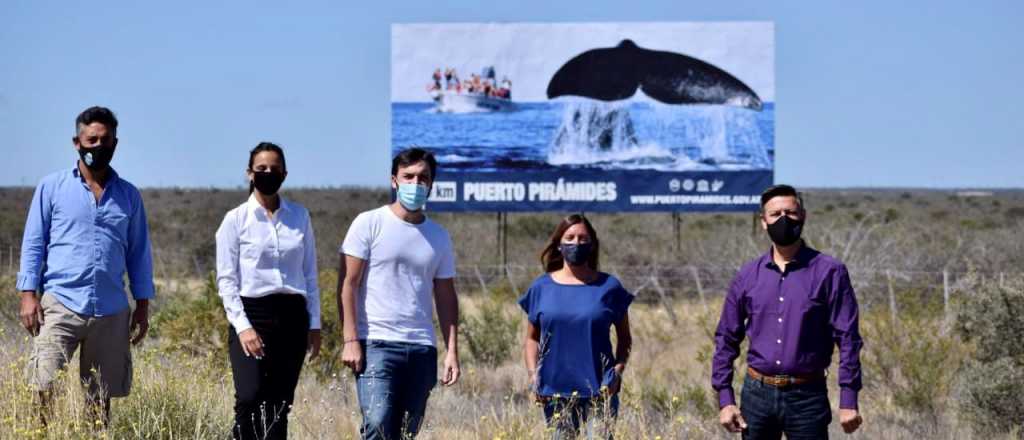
(576, 253)
(267, 182)
(785, 231)
(96, 158)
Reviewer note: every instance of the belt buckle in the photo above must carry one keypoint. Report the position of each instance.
(782, 380)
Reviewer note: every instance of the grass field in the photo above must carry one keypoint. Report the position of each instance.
(905, 249)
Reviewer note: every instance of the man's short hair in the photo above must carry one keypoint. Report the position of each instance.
(781, 190)
(99, 114)
(412, 155)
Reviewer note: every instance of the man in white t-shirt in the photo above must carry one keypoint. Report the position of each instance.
(397, 262)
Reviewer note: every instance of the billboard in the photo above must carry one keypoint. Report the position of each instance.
(594, 117)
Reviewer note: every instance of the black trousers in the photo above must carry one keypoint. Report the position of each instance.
(265, 388)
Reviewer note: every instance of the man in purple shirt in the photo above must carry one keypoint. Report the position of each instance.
(795, 304)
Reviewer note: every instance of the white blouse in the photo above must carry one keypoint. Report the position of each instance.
(259, 255)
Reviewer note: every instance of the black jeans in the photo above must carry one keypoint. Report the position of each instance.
(801, 412)
(265, 388)
(596, 417)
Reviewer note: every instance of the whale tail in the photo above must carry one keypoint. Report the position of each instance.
(611, 74)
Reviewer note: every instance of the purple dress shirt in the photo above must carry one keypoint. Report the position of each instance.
(793, 318)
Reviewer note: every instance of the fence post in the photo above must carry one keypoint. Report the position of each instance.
(664, 300)
(700, 287)
(163, 265)
(199, 269)
(677, 230)
(511, 281)
(480, 278)
(892, 295)
(945, 301)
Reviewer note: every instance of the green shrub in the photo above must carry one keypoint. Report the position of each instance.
(491, 332)
(990, 385)
(193, 323)
(329, 361)
(166, 405)
(911, 358)
(701, 400)
(10, 303)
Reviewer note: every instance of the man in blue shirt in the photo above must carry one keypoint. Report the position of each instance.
(86, 229)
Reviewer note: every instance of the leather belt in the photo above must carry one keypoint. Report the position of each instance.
(781, 381)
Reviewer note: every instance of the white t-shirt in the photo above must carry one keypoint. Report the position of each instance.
(395, 301)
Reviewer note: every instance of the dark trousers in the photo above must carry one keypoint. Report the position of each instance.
(802, 412)
(265, 388)
(592, 417)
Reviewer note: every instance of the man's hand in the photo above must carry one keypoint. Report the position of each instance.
(352, 356)
(850, 420)
(616, 383)
(451, 369)
(731, 419)
(140, 321)
(251, 343)
(31, 313)
(313, 343)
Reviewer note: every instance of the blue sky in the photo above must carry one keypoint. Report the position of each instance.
(870, 93)
(523, 51)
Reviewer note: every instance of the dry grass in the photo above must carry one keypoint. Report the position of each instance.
(666, 395)
(916, 235)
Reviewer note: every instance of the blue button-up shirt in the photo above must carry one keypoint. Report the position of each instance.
(794, 320)
(79, 249)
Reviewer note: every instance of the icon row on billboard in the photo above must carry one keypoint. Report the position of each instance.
(690, 185)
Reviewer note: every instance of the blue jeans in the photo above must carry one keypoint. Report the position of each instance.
(394, 387)
(595, 415)
(802, 412)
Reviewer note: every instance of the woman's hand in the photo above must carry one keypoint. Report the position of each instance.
(614, 384)
(313, 343)
(251, 343)
(534, 382)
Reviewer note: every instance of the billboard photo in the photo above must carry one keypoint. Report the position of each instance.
(588, 116)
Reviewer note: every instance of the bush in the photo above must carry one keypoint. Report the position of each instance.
(990, 384)
(913, 359)
(329, 361)
(194, 323)
(490, 332)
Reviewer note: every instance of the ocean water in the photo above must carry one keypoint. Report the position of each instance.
(575, 134)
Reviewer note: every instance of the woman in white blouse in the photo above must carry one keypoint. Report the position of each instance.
(267, 277)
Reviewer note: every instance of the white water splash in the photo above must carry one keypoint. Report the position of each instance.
(605, 135)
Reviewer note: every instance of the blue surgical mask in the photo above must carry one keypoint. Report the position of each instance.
(412, 196)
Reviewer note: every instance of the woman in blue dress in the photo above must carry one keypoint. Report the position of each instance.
(570, 311)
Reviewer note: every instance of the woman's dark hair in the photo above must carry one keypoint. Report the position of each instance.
(265, 146)
(412, 155)
(551, 257)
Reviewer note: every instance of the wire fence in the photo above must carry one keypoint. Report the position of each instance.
(9, 260)
(664, 284)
